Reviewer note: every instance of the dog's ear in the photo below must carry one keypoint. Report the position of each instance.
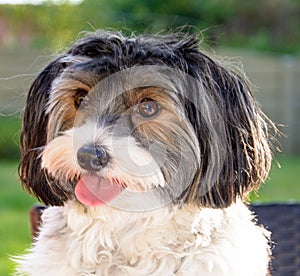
(233, 136)
(34, 133)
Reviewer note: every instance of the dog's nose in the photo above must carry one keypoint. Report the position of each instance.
(92, 157)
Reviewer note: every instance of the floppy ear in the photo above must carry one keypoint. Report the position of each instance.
(235, 152)
(33, 136)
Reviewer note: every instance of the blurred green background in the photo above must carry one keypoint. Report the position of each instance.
(262, 34)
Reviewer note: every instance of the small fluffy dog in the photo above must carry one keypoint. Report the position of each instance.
(145, 148)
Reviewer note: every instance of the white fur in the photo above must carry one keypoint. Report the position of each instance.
(131, 164)
(76, 240)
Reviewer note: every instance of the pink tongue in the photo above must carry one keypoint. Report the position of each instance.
(95, 191)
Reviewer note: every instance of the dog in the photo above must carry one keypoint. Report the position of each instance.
(145, 150)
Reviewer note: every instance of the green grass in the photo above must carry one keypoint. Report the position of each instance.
(282, 186)
(14, 205)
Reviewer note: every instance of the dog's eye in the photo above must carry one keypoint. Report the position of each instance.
(148, 108)
(79, 97)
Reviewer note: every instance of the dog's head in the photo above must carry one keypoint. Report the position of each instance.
(118, 118)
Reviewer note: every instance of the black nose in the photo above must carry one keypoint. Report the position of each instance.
(92, 157)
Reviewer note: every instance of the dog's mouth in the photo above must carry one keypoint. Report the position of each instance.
(92, 190)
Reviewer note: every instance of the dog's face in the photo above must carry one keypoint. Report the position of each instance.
(141, 122)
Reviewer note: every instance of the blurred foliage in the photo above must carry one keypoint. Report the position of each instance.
(9, 139)
(271, 25)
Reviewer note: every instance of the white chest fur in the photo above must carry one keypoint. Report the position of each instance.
(166, 241)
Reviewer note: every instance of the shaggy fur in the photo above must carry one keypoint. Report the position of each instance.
(186, 241)
(176, 139)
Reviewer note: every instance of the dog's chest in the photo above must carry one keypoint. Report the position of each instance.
(160, 242)
(141, 241)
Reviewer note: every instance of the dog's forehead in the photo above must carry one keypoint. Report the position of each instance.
(89, 72)
(100, 75)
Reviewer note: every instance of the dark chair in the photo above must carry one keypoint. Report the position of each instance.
(283, 220)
